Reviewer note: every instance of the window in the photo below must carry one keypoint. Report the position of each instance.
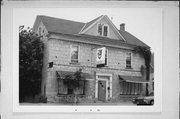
(128, 60)
(74, 54)
(105, 30)
(128, 88)
(39, 31)
(102, 30)
(64, 89)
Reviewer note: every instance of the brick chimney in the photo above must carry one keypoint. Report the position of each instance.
(122, 27)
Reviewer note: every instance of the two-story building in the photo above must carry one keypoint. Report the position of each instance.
(70, 46)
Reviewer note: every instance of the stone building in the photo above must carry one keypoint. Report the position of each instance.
(71, 46)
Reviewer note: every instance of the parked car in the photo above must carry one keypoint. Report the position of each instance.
(144, 100)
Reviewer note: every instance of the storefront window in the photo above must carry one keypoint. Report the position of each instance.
(128, 88)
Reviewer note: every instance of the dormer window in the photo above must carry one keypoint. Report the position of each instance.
(105, 33)
(39, 31)
(100, 29)
(103, 30)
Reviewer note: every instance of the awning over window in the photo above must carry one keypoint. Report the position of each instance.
(133, 79)
(63, 74)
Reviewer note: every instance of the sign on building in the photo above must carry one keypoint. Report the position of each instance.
(101, 57)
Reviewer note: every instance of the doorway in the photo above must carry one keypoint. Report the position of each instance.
(102, 90)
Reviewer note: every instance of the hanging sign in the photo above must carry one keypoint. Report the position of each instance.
(101, 56)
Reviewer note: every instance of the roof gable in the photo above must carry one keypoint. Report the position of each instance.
(91, 28)
(88, 24)
(62, 26)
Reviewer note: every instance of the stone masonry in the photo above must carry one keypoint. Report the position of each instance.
(58, 52)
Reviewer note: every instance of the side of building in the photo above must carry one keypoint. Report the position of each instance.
(67, 53)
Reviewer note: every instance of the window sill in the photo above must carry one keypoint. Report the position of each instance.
(129, 68)
(64, 95)
(102, 36)
(73, 63)
(103, 66)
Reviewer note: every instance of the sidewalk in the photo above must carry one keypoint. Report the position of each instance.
(97, 103)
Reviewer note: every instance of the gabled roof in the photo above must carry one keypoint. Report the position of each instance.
(61, 25)
(97, 40)
(91, 22)
(130, 39)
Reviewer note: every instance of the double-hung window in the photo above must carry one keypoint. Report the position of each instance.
(74, 53)
(103, 30)
(128, 60)
(100, 29)
(40, 31)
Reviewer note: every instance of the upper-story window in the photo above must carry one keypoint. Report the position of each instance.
(39, 31)
(99, 29)
(128, 60)
(74, 53)
(103, 30)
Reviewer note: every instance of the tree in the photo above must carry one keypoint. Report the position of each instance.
(30, 63)
(146, 53)
(73, 82)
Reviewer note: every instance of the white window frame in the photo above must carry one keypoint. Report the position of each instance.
(98, 29)
(40, 31)
(103, 29)
(130, 60)
(78, 47)
(107, 29)
(107, 57)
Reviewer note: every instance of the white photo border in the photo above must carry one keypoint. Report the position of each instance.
(157, 107)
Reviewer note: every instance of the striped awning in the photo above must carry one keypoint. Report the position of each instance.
(133, 79)
(63, 74)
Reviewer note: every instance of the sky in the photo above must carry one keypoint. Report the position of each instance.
(143, 23)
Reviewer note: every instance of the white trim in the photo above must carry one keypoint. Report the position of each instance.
(107, 84)
(114, 27)
(103, 30)
(82, 28)
(71, 52)
(98, 29)
(92, 24)
(107, 57)
(130, 59)
(107, 30)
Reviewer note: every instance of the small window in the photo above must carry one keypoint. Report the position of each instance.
(39, 31)
(105, 30)
(74, 54)
(128, 60)
(100, 29)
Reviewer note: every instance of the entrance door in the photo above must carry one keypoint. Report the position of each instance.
(102, 90)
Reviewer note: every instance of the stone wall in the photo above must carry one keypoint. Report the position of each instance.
(58, 52)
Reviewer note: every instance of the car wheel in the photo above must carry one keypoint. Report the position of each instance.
(152, 102)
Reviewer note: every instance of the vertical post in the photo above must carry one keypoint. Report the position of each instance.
(84, 87)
